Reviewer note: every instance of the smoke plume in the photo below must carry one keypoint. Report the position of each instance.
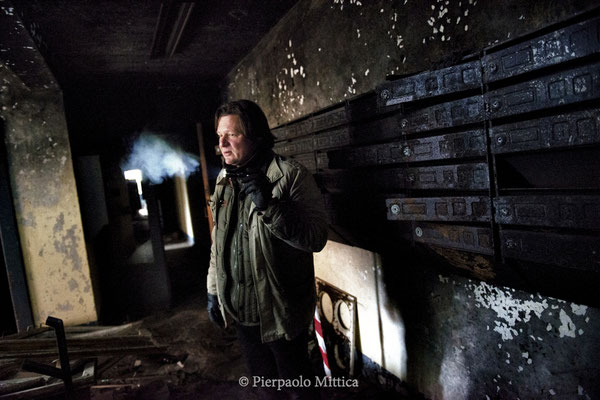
(158, 160)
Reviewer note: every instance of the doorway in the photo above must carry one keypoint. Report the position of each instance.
(14, 296)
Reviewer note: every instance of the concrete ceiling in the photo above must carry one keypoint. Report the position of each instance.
(98, 42)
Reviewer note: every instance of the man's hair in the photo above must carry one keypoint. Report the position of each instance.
(254, 122)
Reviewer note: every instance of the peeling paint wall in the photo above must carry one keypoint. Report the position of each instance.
(324, 52)
(469, 339)
(46, 203)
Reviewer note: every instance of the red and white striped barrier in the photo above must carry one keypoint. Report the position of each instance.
(319, 334)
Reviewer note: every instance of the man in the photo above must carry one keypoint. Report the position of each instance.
(268, 220)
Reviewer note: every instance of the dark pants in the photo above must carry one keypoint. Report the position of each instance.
(286, 359)
(283, 359)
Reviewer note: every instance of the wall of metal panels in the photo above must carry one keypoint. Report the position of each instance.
(498, 155)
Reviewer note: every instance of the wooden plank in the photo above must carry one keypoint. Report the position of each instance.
(8, 367)
(6, 345)
(78, 347)
(17, 385)
(86, 377)
(83, 352)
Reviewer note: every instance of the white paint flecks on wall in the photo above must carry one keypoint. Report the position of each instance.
(578, 309)
(441, 19)
(288, 91)
(567, 328)
(508, 309)
(351, 89)
(357, 3)
(511, 311)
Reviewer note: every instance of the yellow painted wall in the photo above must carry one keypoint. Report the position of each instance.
(46, 203)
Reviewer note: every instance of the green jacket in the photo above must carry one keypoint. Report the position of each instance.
(282, 240)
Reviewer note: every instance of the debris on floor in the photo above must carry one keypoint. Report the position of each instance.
(177, 354)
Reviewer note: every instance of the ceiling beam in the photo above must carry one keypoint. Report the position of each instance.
(183, 16)
(173, 18)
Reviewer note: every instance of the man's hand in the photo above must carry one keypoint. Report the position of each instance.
(257, 186)
(214, 313)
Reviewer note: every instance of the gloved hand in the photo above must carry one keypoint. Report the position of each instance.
(214, 313)
(257, 186)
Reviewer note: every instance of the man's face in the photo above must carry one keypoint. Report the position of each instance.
(235, 147)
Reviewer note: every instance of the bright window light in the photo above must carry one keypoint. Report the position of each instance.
(136, 175)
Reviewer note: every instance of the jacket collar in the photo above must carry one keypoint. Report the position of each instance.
(274, 172)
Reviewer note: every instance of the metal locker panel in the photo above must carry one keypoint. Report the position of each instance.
(329, 119)
(576, 251)
(331, 139)
(365, 107)
(564, 130)
(472, 176)
(307, 160)
(336, 181)
(430, 84)
(467, 209)
(566, 44)
(315, 123)
(331, 209)
(293, 130)
(467, 238)
(444, 115)
(372, 181)
(562, 88)
(377, 130)
(320, 141)
(297, 146)
(555, 211)
(454, 145)
(322, 160)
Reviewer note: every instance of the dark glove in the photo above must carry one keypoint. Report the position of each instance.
(214, 313)
(257, 186)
